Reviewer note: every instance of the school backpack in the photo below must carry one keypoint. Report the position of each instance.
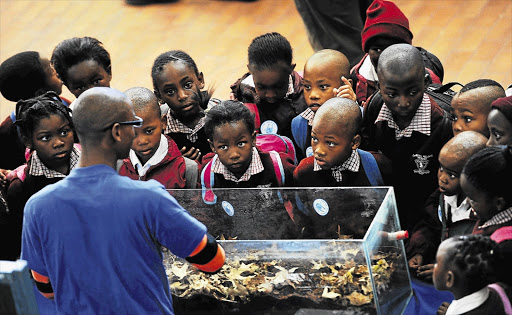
(300, 133)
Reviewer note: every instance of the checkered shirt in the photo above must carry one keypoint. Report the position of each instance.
(308, 114)
(254, 168)
(420, 122)
(176, 126)
(500, 218)
(351, 164)
(37, 168)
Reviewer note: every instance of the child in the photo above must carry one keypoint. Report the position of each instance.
(447, 211)
(271, 84)
(466, 266)
(325, 76)
(484, 180)
(235, 162)
(178, 83)
(82, 63)
(23, 76)
(46, 129)
(408, 127)
(154, 155)
(385, 25)
(499, 122)
(471, 106)
(337, 161)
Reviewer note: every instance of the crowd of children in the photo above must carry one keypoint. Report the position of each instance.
(372, 125)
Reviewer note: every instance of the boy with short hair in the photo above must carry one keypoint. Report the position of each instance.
(154, 155)
(471, 106)
(447, 211)
(325, 76)
(408, 127)
(337, 161)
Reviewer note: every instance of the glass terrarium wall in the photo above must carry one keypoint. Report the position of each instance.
(293, 250)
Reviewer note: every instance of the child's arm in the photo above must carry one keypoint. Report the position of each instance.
(345, 90)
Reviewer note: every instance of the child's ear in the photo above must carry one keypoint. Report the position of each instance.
(200, 78)
(500, 203)
(26, 141)
(427, 79)
(356, 141)
(253, 138)
(163, 121)
(450, 279)
(292, 67)
(211, 146)
(157, 94)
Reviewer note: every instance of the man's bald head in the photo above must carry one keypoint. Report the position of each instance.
(143, 99)
(399, 59)
(96, 109)
(342, 112)
(464, 145)
(330, 59)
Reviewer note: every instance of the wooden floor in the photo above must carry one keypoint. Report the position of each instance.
(473, 38)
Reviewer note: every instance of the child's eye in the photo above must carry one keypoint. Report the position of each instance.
(496, 134)
(97, 81)
(307, 87)
(452, 117)
(314, 139)
(149, 131)
(452, 176)
(223, 147)
(188, 85)
(324, 86)
(241, 144)
(45, 138)
(412, 93)
(467, 119)
(64, 133)
(331, 144)
(391, 95)
(170, 92)
(80, 88)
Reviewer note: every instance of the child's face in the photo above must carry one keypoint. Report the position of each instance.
(147, 137)
(470, 113)
(403, 93)
(179, 87)
(448, 175)
(319, 82)
(441, 272)
(85, 75)
(233, 144)
(271, 84)
(378, 45)
(500, 128)
(483, 206)
(52, 138)
(53, 83)
(331, 144)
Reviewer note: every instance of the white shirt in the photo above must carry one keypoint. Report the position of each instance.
(469, 302)
(159, 155)
(367, 70)
(458, 212)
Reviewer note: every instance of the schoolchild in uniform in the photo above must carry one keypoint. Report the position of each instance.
(325, 76)
(448, 210)
(235, 161)
(178, 83)
(47, 130)
(499, 122)
(271, 84)
(471, 106)
(408, 127)
(82, 63)
(335, 140)
(154, 155)
(467, 266)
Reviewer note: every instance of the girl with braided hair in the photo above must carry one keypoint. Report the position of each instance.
(46, 129)
(468, 266)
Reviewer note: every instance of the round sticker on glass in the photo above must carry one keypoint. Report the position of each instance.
(228, 208)
(309, 152)
(268, 127)
(321, 207)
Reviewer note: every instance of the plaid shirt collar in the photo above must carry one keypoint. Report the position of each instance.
(37, 168)
(351, 164)
(500, 218)
(420, 122)
(308, 114)
(176, 126)
(254, 168)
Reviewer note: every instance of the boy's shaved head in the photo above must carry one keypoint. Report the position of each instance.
(398, 59)
(341, 111)
(331, 59)
(464, 145)
(143, 99)
(96, 109)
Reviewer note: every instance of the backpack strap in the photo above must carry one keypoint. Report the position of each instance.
(278, 167)
(504, 298)
(254, 109)
(207, 178)
(371, 168)
(191, 170)
(502, 234)
(19, 172)
(300, 132)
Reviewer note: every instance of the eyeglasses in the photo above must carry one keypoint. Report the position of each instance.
(136, 123)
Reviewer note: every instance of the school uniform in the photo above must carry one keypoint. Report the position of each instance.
(301, 130)
(492, 299)
(167, 166)
(187, 137)
(413, 152)
(499, 220)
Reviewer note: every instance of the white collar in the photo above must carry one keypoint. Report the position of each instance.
(469, 302)
(159, 155)
(458, 212)
(367, 70)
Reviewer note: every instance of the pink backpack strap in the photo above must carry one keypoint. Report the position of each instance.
(254, 109)
(207, 179)
(278, 167)
(502, 234)
(504, 298)
(19, 172)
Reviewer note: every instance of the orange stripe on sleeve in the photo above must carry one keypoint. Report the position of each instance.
(216, 263)
(200, 247)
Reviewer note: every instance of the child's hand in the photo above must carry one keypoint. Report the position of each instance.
(415, 262)
(443, 308)
(425, 272)
(3, 178)
(192, 153)
(345, 90)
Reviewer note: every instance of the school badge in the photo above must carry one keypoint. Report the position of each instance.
(421, 163)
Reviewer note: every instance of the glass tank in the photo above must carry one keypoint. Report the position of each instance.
(295, 251)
